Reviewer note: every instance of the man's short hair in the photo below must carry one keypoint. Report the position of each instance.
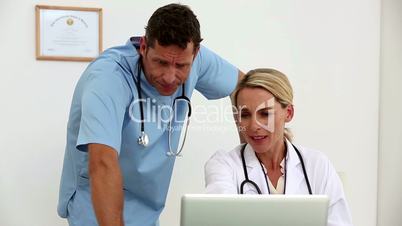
(173, 24)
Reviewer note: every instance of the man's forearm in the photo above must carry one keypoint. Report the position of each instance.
(107, 190)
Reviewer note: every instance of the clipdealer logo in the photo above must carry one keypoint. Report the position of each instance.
(204, 117)
(161, 114)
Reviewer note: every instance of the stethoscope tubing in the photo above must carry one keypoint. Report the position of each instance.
(144, 138)
(247, 180)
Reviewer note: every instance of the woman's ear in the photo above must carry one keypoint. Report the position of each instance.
(289, 113)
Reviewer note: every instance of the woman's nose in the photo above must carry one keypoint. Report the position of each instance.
(254, 124)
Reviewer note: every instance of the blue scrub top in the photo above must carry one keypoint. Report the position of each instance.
(105, 110)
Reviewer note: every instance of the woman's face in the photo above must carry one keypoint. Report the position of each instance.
(261, 119)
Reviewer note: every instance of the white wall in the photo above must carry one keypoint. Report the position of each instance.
(329, 49)
(390, 142)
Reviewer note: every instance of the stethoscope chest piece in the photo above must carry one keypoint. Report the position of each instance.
(143, 139)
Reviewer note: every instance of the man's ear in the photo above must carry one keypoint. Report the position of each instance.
(143, 46)
(289, 113)
(196, 50)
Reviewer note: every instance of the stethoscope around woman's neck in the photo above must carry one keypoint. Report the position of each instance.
(247, 179)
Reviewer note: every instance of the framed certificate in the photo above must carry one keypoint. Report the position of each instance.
(68, 33)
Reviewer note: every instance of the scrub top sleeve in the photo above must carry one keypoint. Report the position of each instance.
(217, 77)
(104, 104)
(219, 175)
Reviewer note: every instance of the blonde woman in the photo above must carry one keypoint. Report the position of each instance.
(268, 163)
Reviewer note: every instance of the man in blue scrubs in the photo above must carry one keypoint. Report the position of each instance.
(109, 178)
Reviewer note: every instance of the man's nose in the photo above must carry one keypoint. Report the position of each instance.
(170, 75)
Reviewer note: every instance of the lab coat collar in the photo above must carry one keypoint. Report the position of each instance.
(252, 160)
(294, 172)
(291, 156)
(250, 157)
(294, 175)
(254, 172)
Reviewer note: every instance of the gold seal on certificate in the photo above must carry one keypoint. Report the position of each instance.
(68, 33)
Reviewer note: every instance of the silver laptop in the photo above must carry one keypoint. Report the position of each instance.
(254, 210)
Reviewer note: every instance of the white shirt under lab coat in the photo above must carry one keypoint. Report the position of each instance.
(224, 173)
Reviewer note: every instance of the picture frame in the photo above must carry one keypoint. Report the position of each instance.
(68, 33)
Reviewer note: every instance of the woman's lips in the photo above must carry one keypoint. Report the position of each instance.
(258, 138)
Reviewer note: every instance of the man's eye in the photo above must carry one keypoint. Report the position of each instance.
(180, 66)
(162, 63)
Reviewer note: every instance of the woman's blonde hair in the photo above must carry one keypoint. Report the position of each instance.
(274, 82)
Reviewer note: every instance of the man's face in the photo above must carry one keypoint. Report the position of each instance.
(167, 67)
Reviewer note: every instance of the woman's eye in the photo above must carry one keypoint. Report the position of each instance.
(266, 114)
(244, 115)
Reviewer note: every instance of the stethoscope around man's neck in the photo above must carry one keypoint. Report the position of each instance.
(143, 139)
(248, 181)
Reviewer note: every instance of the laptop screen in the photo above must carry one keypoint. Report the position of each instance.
(254, 210)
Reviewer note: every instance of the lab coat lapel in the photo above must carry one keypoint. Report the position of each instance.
(254, 171)
(294, 174)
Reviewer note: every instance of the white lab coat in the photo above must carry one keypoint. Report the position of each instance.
(224, 173)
